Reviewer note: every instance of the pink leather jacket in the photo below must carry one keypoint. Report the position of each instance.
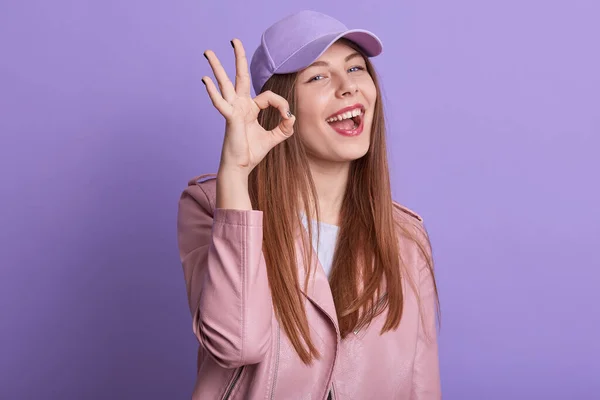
(245, 354)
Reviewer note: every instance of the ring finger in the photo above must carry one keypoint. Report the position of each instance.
(227, 88)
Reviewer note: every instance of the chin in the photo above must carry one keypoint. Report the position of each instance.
(358, 153)
(350, 153)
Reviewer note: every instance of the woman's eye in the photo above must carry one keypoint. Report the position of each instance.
(353, 69)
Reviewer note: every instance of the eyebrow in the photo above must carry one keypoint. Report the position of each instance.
(325, 63)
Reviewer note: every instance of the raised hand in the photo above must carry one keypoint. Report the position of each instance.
(246, 142)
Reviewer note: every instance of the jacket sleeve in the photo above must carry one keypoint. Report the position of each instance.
(426, 374)
(226, 278)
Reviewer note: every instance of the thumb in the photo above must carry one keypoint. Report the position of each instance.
(285, 129)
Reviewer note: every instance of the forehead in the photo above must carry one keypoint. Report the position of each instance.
(336, 52)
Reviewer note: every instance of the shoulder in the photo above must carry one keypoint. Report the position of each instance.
(407, 218)
(412, 234)
(402, 211)
(201, 189)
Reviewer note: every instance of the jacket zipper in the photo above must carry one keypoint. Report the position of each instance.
(234, 381)
(276, 362)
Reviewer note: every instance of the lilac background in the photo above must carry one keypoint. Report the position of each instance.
(494, 112)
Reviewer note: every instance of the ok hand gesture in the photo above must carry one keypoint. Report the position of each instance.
(246, 142)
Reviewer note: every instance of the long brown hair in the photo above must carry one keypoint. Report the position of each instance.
(367, 251)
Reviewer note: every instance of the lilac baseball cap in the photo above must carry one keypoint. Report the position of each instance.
(296, 41)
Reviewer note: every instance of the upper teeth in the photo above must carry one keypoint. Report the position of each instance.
(348, 114)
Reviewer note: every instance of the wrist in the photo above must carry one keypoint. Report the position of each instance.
(232, 189)
(235, 174)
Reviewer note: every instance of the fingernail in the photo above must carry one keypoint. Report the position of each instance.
(203, 81)
(289, 114)
(232, 45)
(205, 56)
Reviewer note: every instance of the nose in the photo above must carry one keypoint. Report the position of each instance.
(348, 87)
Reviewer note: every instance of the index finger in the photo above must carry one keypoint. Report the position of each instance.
(242, 76)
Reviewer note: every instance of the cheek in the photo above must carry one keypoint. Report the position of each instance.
(309, 133)
(370, 92)
(310, 103)
(309, 117)
(372, 98)
(312, 135)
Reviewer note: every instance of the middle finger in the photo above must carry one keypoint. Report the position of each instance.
(242, 75)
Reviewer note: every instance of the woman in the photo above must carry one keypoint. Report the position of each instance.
(305, 280)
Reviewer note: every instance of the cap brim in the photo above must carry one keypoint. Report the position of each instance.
(310, 52)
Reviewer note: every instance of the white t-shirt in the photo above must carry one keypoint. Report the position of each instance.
(326, 243)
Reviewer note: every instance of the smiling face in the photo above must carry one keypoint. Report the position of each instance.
(335, 99)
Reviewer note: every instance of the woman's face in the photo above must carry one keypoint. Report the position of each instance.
(335, 99)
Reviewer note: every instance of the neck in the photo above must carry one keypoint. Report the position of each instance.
(330, 182)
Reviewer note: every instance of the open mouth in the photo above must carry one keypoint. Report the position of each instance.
(348, 122)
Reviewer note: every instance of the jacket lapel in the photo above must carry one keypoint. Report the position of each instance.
(318, 290)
